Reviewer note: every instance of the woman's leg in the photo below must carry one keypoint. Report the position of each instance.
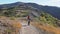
(28, 22)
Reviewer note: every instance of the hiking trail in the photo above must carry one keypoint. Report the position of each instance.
(28, 29)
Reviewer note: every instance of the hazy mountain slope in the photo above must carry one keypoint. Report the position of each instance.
(32, 9)
(42, 16)
(55, 11)
(25, 9)
(10, 5)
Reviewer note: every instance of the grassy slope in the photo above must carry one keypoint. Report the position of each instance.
(46, 27)
(44, 18)
(47, 22)
(10, 23)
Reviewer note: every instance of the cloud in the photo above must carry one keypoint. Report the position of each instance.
(52, 3)
(54, 0)
(45, 2)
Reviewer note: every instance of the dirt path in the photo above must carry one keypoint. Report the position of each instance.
(28, 29)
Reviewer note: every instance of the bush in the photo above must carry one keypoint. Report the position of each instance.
(9, 31)
(12, 18)
(49, 19)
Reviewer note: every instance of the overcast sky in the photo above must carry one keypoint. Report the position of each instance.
(40, 2)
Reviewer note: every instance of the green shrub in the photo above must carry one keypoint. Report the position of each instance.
(47, 18)
(12, 18)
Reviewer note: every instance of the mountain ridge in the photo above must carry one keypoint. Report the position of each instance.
(54, 11)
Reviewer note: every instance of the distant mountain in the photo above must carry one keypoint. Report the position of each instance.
(10, 5)
(35, 8)
(54, 11)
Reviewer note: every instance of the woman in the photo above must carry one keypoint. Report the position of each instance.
(28, 17)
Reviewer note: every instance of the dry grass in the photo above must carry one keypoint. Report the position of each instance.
(13, 24)
(47, 28)
(17, 24)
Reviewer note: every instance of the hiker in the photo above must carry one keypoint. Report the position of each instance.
(28, 17)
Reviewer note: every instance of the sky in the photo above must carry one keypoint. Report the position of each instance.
(40, 2)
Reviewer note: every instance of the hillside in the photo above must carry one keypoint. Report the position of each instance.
(54, 11)
(25, 9)
(8, 26)
(42, 17)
